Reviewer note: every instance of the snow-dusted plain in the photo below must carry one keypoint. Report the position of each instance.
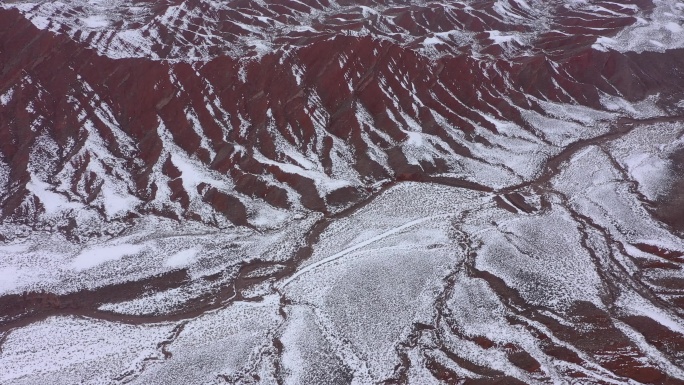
(340, 192)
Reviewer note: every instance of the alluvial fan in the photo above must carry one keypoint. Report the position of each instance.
(329, 192)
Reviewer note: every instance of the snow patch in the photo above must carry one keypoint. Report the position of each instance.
(95, 21)
(182, 258)
(98, 255)
(52, 202)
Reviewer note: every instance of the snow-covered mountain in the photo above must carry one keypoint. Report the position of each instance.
(341, 192)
